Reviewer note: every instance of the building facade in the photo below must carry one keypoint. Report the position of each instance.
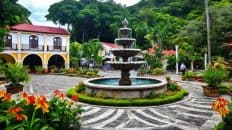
(33, 45)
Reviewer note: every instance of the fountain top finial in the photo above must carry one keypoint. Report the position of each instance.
(125, 23)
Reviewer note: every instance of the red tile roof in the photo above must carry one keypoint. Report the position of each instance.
(39, 29)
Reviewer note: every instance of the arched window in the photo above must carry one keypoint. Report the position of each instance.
(8, 41)
(33, 41)
(57, 43)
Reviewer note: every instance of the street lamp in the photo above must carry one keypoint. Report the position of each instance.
(177, 65)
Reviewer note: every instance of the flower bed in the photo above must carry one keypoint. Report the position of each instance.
(34, 113)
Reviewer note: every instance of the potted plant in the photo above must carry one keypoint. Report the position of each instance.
(15, 74)
(213, 77)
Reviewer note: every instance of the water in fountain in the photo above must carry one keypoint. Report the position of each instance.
(125, 39)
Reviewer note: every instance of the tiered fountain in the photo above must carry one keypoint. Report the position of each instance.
(125, 87)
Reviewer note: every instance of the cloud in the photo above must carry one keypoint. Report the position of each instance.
(38, 9)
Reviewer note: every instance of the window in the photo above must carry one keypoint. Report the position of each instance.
(57, 43)
(8, 40)
(33, 41)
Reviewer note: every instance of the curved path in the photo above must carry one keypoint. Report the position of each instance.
(192, 113)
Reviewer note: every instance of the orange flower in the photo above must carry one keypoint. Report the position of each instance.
(42, 103)
(24, 95)
(2, 93)
(221, 106)
(20, 117)
(31, 100)
(74, 98)
(15, 110)
(7, 97)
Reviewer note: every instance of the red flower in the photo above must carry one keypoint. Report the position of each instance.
(74, 98)
(58, 93)
(20, 117)
(42, 103)
(15, 110)
(31, 100)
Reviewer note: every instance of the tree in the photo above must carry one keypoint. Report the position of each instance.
(12, 13)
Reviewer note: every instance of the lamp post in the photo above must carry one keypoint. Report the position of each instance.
(177, 65)
(208, 30)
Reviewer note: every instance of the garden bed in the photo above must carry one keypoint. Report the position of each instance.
(149, 101)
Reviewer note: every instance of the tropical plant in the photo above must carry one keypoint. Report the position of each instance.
(224, 108)
(214, 76)
(33, 113)
(39, 69)
(15, 73)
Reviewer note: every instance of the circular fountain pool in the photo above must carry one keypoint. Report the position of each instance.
(141, 87)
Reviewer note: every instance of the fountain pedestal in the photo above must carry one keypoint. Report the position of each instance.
(125, 78)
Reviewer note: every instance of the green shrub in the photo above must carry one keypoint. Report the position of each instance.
(80, 87)
(38, 69)
(157, 71)
(214, 76)
(15, 73)
(189, 74)
(128, 102)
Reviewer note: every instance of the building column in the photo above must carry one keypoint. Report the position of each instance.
(67, 66)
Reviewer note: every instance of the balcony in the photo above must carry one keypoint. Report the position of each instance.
(10, 46)
(56, 48)
(27, 47)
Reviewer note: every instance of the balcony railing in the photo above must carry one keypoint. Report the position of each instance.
(56, 48)
(26, 47)
(11, 47)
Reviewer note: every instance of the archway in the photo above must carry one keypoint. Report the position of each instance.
(31, 61)
(56, 61)
(7, 58)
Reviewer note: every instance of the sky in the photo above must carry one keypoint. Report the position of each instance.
(38, 9)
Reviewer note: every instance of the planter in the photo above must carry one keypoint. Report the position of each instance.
(210, 91)
(14, 89)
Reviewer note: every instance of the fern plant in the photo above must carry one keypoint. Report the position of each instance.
(15, 73)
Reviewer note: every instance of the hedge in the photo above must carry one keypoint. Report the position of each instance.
(127, 102)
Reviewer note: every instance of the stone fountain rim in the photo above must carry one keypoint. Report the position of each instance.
(128, 62)
(133, 87)
(117, 39)
(125, 28)
(125, 49)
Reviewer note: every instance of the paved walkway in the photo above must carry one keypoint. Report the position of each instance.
(192, 113)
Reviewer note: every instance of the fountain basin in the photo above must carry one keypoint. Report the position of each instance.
(129, 52)
(125, 42)
(126, 65)
(108, 87)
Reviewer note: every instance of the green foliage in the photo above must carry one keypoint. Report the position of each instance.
(189, 75)
(80, 87)
(2, 35)
(128, 102)
(15, 73)
(39, 69)
(214, 76)
(12, 13)
(157, 71)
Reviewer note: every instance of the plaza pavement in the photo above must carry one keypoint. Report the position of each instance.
(192, 113)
